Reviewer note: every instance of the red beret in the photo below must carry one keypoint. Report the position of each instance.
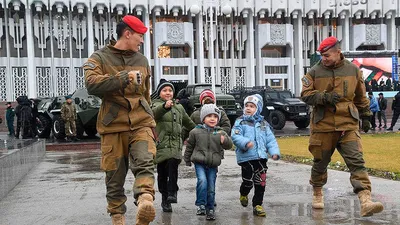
(327, 44)
(135, 24)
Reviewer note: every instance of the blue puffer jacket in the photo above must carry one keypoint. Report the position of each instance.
(373, 105)
(255, 129)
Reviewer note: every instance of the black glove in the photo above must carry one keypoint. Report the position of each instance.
(365, 125)
(331, 98)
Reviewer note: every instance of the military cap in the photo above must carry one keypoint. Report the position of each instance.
(68, 97)
(135, 24)
(327, 44)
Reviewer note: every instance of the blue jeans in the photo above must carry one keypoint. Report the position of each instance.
(205, 189)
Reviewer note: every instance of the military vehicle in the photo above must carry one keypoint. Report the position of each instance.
(279, 106)
(49, 115)
(224, 101)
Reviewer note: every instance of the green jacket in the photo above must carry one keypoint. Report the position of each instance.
(68, 112)
(204, 146)
(169, 124)
(10, 114)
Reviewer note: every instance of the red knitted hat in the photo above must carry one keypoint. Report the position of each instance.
(206, 93)
(327, 44)
(135, 24)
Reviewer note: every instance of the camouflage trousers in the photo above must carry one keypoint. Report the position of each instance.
(70, 128)
(348, 144)
(120, 151)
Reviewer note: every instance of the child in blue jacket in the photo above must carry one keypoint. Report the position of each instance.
(254, 140)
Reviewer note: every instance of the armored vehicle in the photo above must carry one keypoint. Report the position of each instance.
(279, 106)
(49, 115)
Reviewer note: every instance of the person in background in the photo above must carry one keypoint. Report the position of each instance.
(374, 107)
(68, 114)
(382, 102)
(10, 114)
(396, 110)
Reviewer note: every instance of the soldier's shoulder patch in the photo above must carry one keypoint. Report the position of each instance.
(306, 82)
(89, 65)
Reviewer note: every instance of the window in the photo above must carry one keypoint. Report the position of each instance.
(273, 51)
(276, 84)
(173, 51)
(275, 69)
(175, 70)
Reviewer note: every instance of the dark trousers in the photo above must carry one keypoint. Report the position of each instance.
(10, 126)
(396, 114)
(254, 173)
(382, 115)
(167, 177)
(372, 120)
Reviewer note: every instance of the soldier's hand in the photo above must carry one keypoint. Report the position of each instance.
(168, 104)
(331, 98)
(365, 124)
(135, 77)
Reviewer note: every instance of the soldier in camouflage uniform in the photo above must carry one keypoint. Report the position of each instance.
(120, 75)
(335, 88)
(68, 114)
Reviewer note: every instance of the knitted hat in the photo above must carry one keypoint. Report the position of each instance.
(256, 100)
(164, 83)
(206, 93)
(208, 109)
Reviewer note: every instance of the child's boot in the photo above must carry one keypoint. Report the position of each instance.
(165, 205)
(118, 219)
(258, 210)
(210, 214)
(172, 197)
(318, 198)
(244, 200)
(201, 210)
(368, 208)
(146, 211)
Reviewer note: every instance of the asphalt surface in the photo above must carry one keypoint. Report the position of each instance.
(68, 188)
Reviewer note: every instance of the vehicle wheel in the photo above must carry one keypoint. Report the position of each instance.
(58, 127)
(79, 128)
(91, 131)
(302, 123)
(277, 119)
(43, 126)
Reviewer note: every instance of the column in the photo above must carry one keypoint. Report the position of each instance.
(147, 41)
(200, 48)
(9, 86)
(31, 54)
(156, 71)
(191, 73)
(250, 50)
(346, 36)
(260, 74)
(391, 28)
(72, 74)
(295, 86)
(90, 31)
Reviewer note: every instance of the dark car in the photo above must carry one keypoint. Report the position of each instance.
(49, 115)
(279, 106)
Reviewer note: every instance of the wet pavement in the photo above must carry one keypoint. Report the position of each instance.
(68, 188)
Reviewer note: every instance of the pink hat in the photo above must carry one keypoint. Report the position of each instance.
(206, 93)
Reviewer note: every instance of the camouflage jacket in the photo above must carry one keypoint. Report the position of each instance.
(346, 80)
(125, 106)
(68, 112)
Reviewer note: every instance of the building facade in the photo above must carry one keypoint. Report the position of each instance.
(43, 43)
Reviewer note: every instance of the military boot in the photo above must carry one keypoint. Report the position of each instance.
(368, 208)
(318, 198)
(146, 211)
(172, 197)
(118, 219)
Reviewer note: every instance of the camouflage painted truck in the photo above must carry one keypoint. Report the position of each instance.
(49, 115)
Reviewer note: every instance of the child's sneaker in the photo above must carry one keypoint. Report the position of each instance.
(210, 214)
(201, 210)
(258, 210)
(244, 200)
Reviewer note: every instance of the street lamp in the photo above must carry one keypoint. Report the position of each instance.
(226, 9)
